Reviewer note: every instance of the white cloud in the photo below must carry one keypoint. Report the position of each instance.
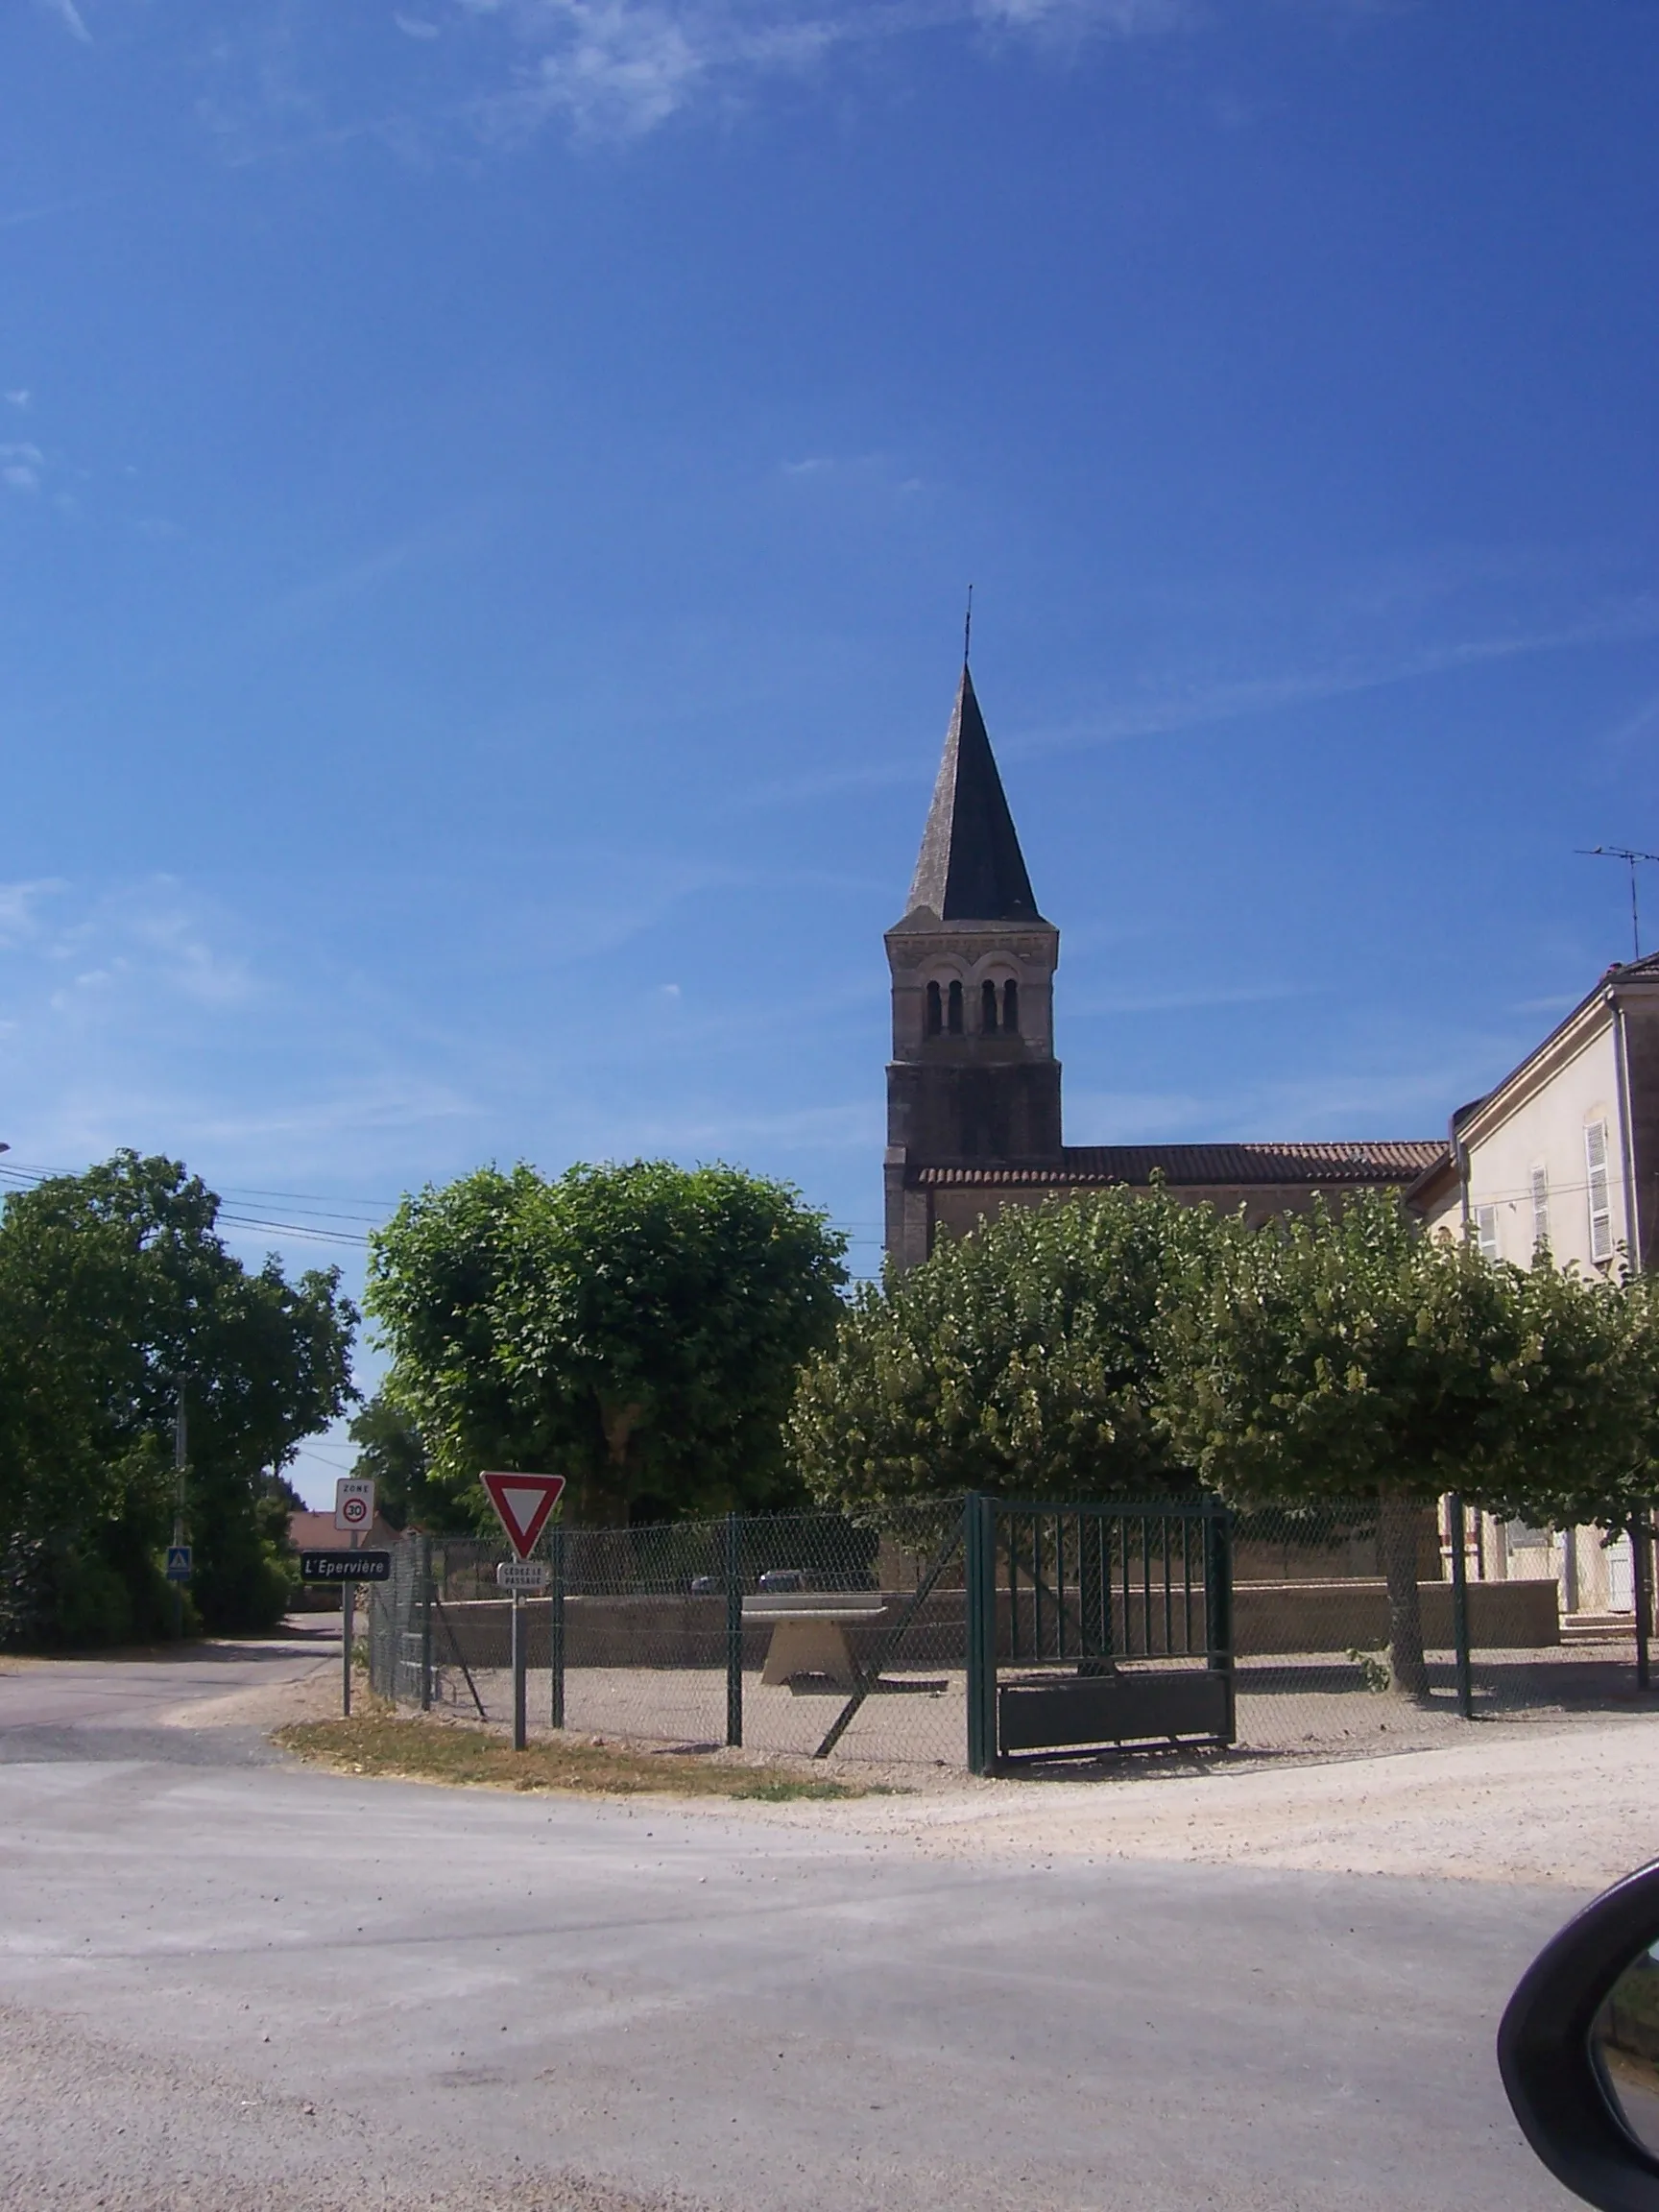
(1074, 18)
(1196, 707)
(22, 467)
(149, 937)
(617, 69)
(415, 26)
(69, 15)
(18, 903)
(17, 398)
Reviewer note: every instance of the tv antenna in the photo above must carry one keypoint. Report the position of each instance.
(1631, 859)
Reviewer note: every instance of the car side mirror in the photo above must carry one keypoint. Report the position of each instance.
(1578, 2049)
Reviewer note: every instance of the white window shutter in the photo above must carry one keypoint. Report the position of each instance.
(1599, 1192)
(1486, 1230)
(1540, 1209)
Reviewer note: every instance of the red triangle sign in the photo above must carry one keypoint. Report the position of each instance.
(523, 1503)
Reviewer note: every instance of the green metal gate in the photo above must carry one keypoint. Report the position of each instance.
(1096, 1626)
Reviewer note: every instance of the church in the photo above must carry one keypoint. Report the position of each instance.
(973, 1117)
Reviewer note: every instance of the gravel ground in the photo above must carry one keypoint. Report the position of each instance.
(1556, 1784)
(913, 1733)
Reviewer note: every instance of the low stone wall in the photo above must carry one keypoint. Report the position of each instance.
(1267, 1617)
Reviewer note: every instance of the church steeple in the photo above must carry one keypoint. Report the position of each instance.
(971, 867)
(973, 1078)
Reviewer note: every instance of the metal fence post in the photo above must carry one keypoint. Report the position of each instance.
(979, 1547)
(733, 1633)
(1641, 1582)
(518, 1655)
(1460, 1606)
(556, 1630)
(1218, 1605)
(425, 1604)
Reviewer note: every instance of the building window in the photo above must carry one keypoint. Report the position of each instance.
(1524, 1537)
(954, 1003)
(935, 1010)
(1599, 1192)
(988, 1008)
(1486, 1230)
(1540, 1209)
(1011, 1006)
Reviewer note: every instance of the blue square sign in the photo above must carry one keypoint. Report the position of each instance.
(178, 1562)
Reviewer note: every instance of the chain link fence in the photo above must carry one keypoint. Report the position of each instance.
(959, 1633)
(772, 1632)
(1310, 1632)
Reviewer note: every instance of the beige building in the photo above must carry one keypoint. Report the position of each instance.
(1563, 1157)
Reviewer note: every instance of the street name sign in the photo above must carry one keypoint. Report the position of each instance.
(345, 1566)
(353, 1504)
(178, 1562)
(522, 1503)
(521, 1574)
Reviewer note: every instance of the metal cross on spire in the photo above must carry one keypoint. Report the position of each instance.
(1631, 859)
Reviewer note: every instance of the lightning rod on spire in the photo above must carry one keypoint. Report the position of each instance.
(968, 627)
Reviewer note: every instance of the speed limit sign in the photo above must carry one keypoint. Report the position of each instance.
(353, 1504)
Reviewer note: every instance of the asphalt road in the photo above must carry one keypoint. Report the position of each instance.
(238, 1983)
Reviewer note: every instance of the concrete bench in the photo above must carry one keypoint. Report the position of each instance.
(810, 1639)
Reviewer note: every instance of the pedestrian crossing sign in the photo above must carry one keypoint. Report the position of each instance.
(178, 1562)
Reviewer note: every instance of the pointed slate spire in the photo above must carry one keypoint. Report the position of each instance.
(971, 867)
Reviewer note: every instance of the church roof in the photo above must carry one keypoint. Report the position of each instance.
(971, 867)
(1189, 1165)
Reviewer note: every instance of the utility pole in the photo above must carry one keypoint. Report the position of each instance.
(1631, 860)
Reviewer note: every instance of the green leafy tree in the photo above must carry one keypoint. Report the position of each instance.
(80, 1496)
(635, 1327)
(128, 1295)
(392, 1456)
(1588, 1377)
(1342, 1355)
(1019, 1359)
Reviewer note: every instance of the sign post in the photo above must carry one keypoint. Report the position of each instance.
(353, 1512)
(524, 1504)
(179, 1549)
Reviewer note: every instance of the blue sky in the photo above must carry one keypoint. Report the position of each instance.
(487, 491)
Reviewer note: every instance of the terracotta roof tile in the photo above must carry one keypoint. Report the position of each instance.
(1381, 1161)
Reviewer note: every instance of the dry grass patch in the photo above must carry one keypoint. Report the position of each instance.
(440, 1751)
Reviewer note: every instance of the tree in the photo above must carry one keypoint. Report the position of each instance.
(1021, 1359)
(127, 1296)
(1342, 1355)
(392, 1456)
(635, 1327)
(1588, 1377)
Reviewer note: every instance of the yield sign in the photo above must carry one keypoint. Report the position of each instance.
(523, 1503)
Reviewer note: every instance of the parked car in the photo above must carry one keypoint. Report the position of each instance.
(783, 1578)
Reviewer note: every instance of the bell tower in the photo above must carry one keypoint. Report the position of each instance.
(973, 1081)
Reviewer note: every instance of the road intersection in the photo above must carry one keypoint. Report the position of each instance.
(229, 1982)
